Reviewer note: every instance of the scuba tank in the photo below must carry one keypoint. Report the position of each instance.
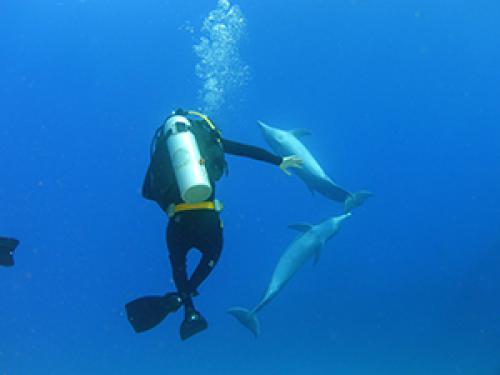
(188, 165)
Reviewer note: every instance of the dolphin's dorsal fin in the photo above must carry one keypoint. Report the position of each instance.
(300, 132)
(301, 227)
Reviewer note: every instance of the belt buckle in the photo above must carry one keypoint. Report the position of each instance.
(171, 210)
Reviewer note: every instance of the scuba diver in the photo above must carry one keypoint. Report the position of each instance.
(187, 158)
(7, 248)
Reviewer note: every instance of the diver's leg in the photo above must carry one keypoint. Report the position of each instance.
(208, 239)
(178, 247)
(210, 243)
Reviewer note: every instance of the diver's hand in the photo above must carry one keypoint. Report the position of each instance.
(291, 161)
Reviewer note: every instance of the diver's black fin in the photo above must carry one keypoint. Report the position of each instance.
(147, 312)
(193, 324)
(7, 248)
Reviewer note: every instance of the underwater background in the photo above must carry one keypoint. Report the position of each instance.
(401, 98)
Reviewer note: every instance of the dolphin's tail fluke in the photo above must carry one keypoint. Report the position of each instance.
(356, 199)
(247, 318)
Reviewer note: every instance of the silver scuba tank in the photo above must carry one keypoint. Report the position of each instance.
(189, 167)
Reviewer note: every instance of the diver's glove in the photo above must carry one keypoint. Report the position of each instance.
(291, 161)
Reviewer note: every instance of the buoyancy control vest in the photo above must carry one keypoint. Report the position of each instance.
(160, 184)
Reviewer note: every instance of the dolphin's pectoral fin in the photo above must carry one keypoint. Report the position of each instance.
(311, 189)
(300, 132)
(301, 227)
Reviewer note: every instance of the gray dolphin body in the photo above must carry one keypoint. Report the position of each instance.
(310, 242)
(287, 142)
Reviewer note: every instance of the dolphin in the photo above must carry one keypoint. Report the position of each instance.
(310, 242)
(287, 142)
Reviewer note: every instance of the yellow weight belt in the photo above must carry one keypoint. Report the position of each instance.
(215, 205)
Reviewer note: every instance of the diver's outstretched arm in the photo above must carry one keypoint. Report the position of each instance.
(252, 152)
(257, 153)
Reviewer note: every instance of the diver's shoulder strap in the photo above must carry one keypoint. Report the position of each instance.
(204, 118)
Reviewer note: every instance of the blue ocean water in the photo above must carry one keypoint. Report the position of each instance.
(401, 98)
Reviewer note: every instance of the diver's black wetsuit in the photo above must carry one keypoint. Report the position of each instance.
(203, 230)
